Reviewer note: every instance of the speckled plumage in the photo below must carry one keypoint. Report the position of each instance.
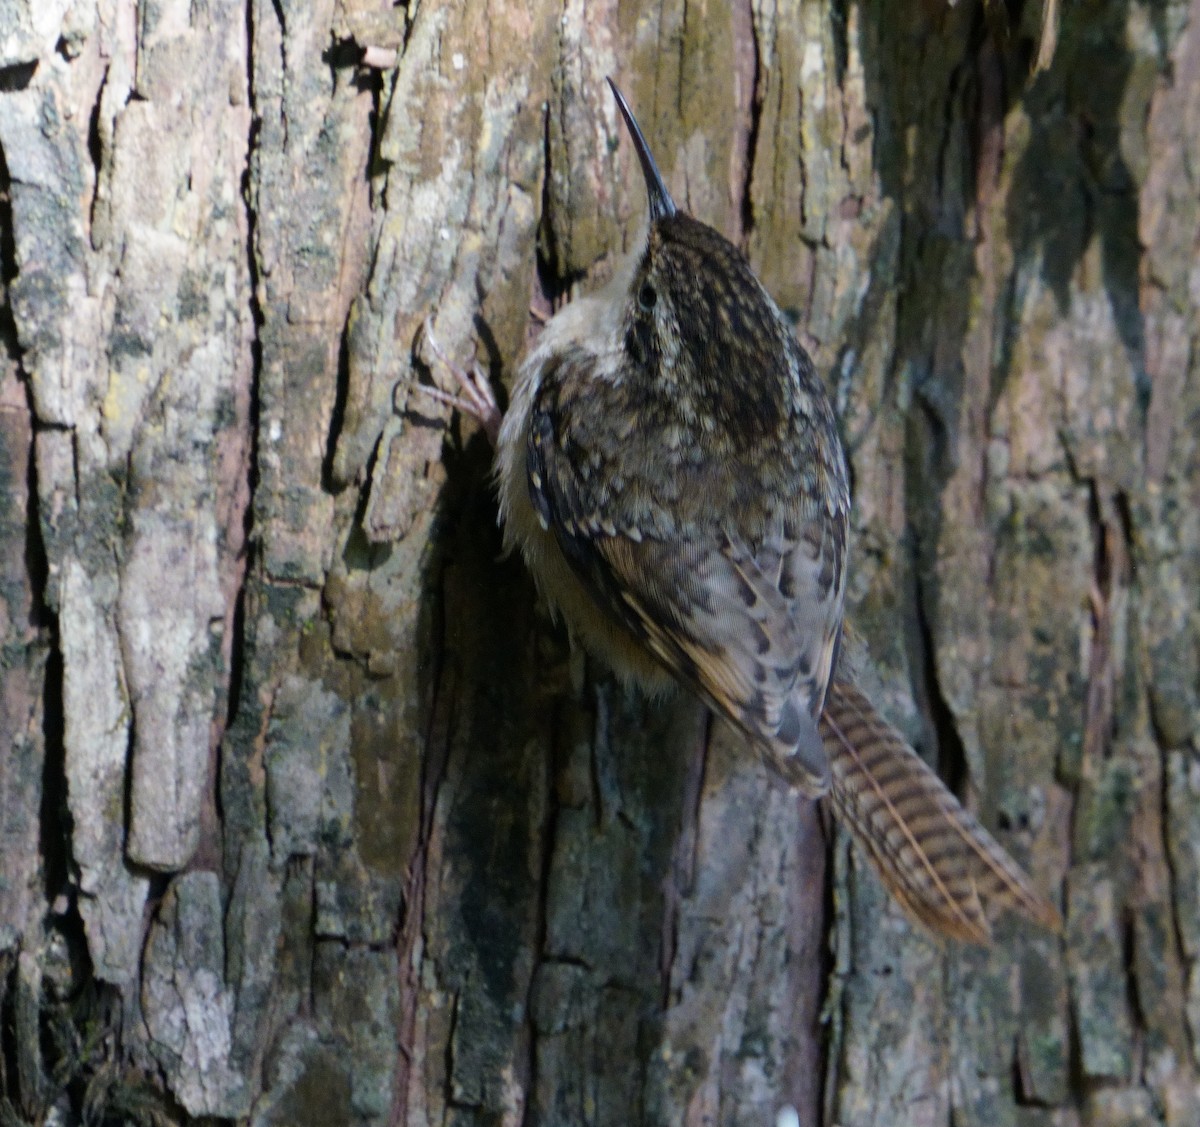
(670, 469)
(670, 463)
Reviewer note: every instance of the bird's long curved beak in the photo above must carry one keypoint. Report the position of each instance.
(661, 204)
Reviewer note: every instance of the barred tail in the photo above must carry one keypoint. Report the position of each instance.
(946, 871)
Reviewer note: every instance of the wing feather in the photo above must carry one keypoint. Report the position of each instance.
(751, 625)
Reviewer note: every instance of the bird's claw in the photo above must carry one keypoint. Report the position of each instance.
(475, 396)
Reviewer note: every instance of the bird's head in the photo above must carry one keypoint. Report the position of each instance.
(696, 318)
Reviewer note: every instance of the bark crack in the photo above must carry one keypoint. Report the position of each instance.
(951, 757)
(748, 83)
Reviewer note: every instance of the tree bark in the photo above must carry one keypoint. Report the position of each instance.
(310, 814)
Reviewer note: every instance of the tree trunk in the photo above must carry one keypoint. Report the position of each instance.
(310, 814)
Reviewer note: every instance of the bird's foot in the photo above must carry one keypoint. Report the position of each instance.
(475, 396)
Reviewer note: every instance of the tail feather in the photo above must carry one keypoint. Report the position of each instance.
(943, 868)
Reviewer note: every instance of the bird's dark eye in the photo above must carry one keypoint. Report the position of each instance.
(646, 297)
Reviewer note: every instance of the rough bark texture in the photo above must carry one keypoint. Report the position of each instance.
(309, 816)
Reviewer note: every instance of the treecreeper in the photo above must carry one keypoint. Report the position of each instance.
(670, 468)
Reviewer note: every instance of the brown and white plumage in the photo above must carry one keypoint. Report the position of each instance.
(689, 498)
(670, 469)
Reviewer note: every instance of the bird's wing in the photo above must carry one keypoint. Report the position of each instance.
(753, 629)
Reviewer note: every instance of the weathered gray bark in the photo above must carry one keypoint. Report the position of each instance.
(309, 815)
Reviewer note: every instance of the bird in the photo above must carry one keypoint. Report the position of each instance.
(670, 468)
